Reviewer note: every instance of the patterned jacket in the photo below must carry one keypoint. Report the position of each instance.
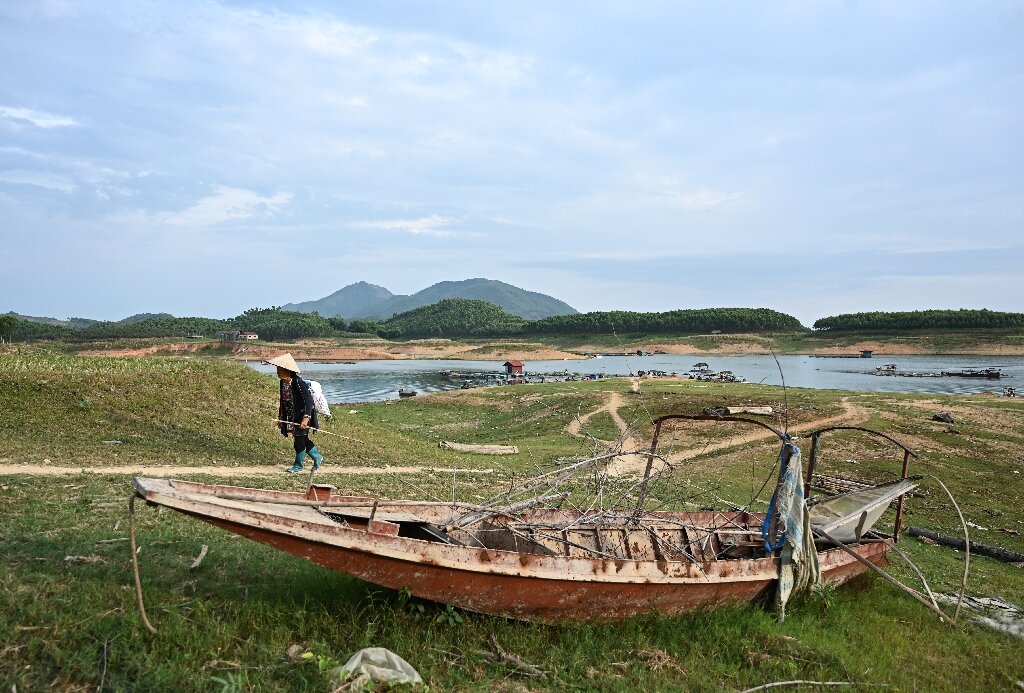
(302, 404)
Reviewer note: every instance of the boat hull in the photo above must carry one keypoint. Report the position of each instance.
(545, 588)
(546, 600)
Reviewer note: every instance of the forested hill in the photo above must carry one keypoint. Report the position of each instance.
(368, 301)
(955, 320)
(349, 302)
(453, 317)
(530, 305)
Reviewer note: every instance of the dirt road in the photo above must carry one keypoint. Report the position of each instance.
(225, 471)
(635, 463)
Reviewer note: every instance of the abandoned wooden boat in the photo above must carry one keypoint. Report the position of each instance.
(543, 564)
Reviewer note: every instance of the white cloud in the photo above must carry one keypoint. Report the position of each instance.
(226, 204)
(40, 119)
(325, 36)
(434, 225)
(40, 179)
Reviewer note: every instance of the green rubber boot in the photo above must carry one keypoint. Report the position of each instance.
(297, 467)
(318, 458)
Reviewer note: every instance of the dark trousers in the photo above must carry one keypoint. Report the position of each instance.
(302, 441)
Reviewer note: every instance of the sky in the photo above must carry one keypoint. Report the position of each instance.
(817, 158)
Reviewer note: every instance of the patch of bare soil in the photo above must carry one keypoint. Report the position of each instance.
(183, 348)
(918, 348)
(739, 347)
(994, 419)
(995, 350)
(499, 353)
(879, 348)
(318, 353)
(169, 470)
(429, 350)
(372, 351)
(470, 398)
(253, 352)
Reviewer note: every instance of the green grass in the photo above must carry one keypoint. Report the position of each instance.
(74, 625)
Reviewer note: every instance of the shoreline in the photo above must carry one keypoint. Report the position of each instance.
(375, 349)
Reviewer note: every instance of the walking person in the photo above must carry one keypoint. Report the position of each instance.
(297, 409)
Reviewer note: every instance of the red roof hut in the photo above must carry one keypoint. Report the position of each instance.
(514, 367)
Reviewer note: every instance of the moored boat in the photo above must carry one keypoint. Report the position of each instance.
(988, 373)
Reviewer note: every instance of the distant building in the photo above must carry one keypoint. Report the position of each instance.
(514, 367)
(193, 336)
(238, 336)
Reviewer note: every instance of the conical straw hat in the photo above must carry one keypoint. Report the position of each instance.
(285, 361)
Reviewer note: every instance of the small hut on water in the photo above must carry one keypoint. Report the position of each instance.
(513, 368)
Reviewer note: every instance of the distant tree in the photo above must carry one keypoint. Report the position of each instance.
(363, 326)
(8, 324)
(879, 321)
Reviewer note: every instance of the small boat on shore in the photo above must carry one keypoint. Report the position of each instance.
(407, 392)
(534, 560)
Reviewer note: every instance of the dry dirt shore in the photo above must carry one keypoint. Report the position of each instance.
(376, 349)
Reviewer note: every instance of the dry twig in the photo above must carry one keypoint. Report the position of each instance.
(200, 557)
(503, 657)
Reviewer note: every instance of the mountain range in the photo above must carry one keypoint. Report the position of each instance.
(369, 301)
(79, 323)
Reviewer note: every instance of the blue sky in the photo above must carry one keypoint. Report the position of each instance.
(201, 158)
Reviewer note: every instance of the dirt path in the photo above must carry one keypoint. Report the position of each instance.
(852, 415)
(635, 463)
(622, 464)
(166, 471)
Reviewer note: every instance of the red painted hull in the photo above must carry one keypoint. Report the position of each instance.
(517, 585)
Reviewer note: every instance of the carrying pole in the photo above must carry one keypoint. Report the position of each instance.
(318, 430)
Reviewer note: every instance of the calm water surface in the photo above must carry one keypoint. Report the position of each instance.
(367, 381)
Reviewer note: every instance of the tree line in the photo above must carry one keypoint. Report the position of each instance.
(880, 321)
(472, 318)
(453, 318)
(269, 323)
(686, 321)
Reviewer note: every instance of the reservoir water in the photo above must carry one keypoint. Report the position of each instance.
(367, 381)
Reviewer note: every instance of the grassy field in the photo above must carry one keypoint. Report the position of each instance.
(69, 620)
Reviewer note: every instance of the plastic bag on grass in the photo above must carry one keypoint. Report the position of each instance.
(378, 664)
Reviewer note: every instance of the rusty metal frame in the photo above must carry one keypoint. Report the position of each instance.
(783, 436)
(907, 454)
